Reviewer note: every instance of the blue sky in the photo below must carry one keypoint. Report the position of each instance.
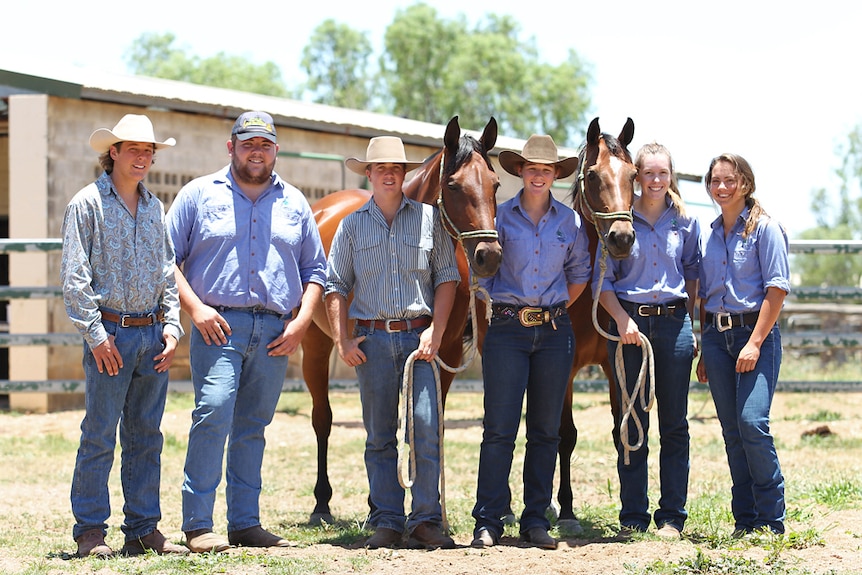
(775, 83)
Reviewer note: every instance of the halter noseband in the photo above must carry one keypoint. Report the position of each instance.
(449, 225)
(596, 215)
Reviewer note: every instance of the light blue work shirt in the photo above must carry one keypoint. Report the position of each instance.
(243, 254)
(735, 272)
(663, 257)
(539, 261)
(392, 270)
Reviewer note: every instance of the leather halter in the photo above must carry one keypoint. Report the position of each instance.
(449, 225)
(594, 214)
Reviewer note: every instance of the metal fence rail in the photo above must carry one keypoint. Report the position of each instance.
(804, 339)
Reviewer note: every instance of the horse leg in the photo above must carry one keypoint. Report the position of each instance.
(316, 351)
(614, 394)
(568, 439)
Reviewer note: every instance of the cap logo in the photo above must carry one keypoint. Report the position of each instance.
(256, 122)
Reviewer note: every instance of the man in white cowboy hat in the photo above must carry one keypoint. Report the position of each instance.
(400, 264)
(119, 291)
(253, 269)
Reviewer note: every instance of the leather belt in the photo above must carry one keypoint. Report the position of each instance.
(126, 320)
(725, 321)
(645, 310)
(530, 316)
(396, 325)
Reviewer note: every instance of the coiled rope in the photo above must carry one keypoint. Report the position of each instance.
(406, 478)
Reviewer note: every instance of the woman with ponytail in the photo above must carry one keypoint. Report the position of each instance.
(744, 279)
(652, 292)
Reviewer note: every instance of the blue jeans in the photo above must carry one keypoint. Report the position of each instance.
(673, 352)
(134, 399)
(742, 402)
(518, 360)
(380, 379)
(237, 387)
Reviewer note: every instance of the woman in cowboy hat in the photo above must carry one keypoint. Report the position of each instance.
(400, 264)
(529, 346)
(117, 272)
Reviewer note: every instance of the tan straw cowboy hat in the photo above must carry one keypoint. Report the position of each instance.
(382, 150)
(538, 150)
(131, 128)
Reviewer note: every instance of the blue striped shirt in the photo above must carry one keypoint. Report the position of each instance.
(735, 273)
(539, 262)
(662, 258)
(393, 271)
(239, 253)
(113, 260)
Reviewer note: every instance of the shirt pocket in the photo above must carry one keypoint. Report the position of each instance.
(286, 226)
(417, 252)
(371, 255)
(218, 222)
(746, 263)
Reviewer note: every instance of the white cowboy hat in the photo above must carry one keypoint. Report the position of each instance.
(131, 128)
(538, 150)
(382, 150)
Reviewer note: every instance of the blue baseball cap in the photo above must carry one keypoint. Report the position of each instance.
(254, 125)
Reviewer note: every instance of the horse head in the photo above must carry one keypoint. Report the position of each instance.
(467, 200)
(604, 190)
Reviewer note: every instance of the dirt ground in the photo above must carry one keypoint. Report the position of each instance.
(839, 553)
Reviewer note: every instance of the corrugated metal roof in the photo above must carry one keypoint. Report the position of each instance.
(193, 98)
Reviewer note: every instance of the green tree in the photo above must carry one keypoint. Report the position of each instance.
(336, 62)
(433, 69)
(157, 55)
(838, 220)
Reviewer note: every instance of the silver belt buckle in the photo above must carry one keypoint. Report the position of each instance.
(641, 310)
(389, 329)
(718, 323)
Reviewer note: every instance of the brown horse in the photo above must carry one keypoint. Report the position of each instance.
(602, 194)
(461, 180)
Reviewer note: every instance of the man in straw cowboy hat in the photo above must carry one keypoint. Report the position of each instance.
(530, 344)
(395, 257)
(253, 269)
(119, 291)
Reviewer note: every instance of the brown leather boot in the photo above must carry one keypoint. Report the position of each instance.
(205, 541)
(256, 536)
(92, 543)
(154, 541)
(429, 536)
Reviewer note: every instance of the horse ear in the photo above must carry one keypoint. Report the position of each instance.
(593, 132)
(627, 133)
(453, 134)
(489, 135)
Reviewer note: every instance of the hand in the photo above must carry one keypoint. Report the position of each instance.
(631, 335)
(350, 352)
(164, 359)
(701, 371)
(428, 345)
(108, 357)
(213, 327)
(747, 358)
(288, 342)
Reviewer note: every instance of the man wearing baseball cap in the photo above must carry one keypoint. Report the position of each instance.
(117, 272)
(253, 270)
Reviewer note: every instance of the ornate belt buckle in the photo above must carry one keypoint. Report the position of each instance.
(720, 325)
(531, 316)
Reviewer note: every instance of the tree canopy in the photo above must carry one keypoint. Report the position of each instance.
(837, 218)
(430, 69)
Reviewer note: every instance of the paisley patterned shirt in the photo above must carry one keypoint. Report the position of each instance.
(116, 261)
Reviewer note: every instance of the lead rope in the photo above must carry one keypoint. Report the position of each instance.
(647, 360)
(406, 480)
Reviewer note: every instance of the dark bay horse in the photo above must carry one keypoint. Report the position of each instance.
(461, 181)
(602, 194)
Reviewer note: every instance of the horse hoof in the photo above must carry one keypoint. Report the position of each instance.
(321, 519)
(570, 526)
